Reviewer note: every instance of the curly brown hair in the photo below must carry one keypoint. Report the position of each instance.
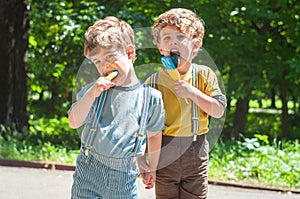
(108, 32)
(185, 20)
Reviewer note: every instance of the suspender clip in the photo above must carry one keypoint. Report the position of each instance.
(86, 151)
(195, 138)
(93, 129)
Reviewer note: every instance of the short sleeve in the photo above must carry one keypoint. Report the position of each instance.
(212, 85)
(156, 117)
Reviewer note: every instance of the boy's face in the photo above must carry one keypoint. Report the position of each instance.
(173, 41)
(107, 60)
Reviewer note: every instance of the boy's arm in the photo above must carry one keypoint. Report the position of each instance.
(81, 109)
(154, 147)
(208, 104)
(144, 170)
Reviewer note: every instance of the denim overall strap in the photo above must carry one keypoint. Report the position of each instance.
(153, 80)
(195, 113)
(144, 117)
(95, 121)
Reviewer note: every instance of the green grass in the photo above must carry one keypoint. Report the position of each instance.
(256, 161)
(13, 149)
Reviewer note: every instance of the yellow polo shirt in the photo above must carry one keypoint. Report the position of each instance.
(178, 113)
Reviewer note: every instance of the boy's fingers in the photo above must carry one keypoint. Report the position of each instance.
(149, 186)
(142, 174)
(145, 182)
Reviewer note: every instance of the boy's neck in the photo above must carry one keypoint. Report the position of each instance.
(133, 82)
(131, 79)
(184, 69)
(186, 75)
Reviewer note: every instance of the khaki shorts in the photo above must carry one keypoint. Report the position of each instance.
(183, 168)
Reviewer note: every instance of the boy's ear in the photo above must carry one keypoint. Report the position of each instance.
(160, 49)
(197, 45)
(130, 51)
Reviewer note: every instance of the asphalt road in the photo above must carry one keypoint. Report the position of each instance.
(28, 183)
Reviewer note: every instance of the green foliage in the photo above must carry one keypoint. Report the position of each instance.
(40, 144)
(56, 52)
(263, 122)
(16, 150)
(255, 160)
(55, 131)
(255, 45)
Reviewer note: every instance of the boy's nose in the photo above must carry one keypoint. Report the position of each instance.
(174, 41)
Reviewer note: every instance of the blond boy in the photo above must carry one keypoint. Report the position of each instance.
(118, 112)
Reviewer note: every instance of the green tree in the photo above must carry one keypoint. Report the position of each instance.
(257, 43)
(56, 52)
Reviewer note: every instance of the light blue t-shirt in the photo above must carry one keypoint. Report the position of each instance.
(120, 119)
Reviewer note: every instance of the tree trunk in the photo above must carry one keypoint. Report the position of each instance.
(54, 97)
(14, 28)
(273, 100)
(240, 117)
(228, 104)
(285, 124)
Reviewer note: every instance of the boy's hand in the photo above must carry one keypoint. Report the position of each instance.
(149, 180)
(183, 89)
(143, 166)
(148, 176)
(102, 84)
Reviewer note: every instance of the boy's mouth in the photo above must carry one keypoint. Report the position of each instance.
(174, 52)
(112, 74)
(175, 56)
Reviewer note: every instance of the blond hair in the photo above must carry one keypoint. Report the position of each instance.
(108, 32)
(185, 20)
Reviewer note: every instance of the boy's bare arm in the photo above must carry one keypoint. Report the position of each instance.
(148, 169)
(80, 111)
(208, 104)
(154, 147)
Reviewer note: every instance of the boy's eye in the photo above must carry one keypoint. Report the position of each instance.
(166, 38)
(109, 57)
(181, 37)
(97, 62)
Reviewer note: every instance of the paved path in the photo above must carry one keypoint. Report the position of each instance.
(28, 183)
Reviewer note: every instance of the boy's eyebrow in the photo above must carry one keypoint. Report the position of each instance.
(165, 33)
(94, 51)
(171, 32)
(95, 58)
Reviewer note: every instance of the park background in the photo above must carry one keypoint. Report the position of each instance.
(255, 45)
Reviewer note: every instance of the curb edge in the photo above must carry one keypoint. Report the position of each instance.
(71, 167)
